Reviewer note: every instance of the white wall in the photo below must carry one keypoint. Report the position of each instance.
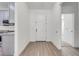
(76, 25)
(55, 25)
(51, 27)
(22, 27)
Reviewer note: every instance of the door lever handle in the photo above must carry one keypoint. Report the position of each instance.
(36, 29)
(71, 30)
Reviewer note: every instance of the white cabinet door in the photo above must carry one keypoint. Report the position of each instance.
(8, 44)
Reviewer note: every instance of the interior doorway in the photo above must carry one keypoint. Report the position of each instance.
(68, 29)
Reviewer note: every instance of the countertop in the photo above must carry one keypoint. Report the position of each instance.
(4, 29)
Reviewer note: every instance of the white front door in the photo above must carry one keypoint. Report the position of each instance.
(41, 27)
(38, 26)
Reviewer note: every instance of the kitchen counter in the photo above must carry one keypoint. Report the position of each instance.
(4, 29)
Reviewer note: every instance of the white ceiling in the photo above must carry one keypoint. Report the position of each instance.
(40, 5)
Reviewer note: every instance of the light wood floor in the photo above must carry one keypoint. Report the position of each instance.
(41, 49)
(48, 49)
(68, 50)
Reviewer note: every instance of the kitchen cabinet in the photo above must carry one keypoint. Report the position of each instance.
(8, 43)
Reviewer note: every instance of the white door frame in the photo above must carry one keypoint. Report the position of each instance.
(34, 28)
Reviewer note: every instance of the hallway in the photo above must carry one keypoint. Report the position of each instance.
(40, 22)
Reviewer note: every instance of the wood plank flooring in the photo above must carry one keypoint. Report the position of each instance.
(68, 50)
(41, 49)
(48, 49)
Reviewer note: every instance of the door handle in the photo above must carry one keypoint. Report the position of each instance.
(36, 29)
(56, 31)
(71, 30)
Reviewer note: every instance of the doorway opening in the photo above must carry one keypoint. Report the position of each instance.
(67, 20)
(67, 30)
